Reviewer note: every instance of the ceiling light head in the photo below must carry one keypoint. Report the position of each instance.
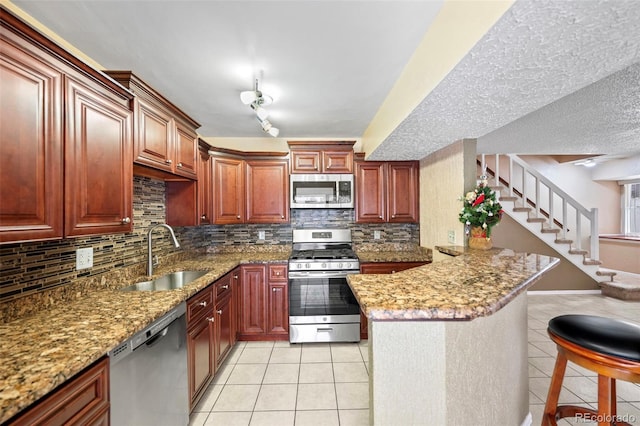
(586, 163)
(268, 128)
(248, 97)
(260, 112)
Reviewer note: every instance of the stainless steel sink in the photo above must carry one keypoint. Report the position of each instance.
(170, 281)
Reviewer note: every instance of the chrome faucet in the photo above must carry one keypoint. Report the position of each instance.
(149, 252)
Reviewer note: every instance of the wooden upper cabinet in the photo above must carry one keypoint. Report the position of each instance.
(153, 140)
(305, 161)
(66, 142)
(228, 190)
(337, 161)
(267, 191)
(403, 191)
(370, 192)
(250, 187)
(387, 191)
(321, 157)
(186, 151)
(165, 137)
(98, 163)
(31, 147)
(205, 190)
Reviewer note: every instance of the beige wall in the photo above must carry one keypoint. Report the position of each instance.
(620, 255)
(445, 176)
(565, 276)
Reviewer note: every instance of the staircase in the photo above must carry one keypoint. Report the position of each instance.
(556, 218)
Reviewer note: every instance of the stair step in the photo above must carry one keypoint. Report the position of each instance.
(522, 209)
(563, 241)
(508, 198)
(578, 251)
(496, 188)
(550, 230)
(591, 262)
(536, 220)
(620, 290)
(607, 273)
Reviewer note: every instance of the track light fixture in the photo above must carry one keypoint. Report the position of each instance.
(257, 100)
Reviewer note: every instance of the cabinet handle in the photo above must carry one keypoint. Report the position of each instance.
(219, 311)
(274, 289)
(203, 304)
(211, 319)
(226, 286)
(380, 217)
(282, 217)
(235, 277)
(125, 220)
(203, 217)
(393, 272)
(393, 216)
(179, 164)
(238, 217)
(168, 161)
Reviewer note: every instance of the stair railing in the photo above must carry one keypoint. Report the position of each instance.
(515, 166)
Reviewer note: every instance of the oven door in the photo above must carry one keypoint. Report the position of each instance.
(321, 297)
(322, 308)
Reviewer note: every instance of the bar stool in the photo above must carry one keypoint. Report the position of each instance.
(609, 347)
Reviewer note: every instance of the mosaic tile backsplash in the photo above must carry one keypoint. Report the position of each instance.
(28, 268)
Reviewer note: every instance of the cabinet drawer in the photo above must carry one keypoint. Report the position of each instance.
(277, 272)
(84, 400)
(199, 304)
(223, 287)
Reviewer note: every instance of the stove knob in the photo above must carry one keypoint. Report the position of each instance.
(324, 265)
(308, 265)
(299, 265)
(340, 265)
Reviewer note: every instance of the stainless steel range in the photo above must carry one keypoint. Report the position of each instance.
(322, 307)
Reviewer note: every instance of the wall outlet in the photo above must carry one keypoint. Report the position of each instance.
(376, 235)
(451, 237)
(84, 258)
(261, 235)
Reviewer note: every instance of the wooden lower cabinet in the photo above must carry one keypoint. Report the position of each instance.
(381, 268)
(225, 327)
(83, 400)
(264, 303)
(201, 362)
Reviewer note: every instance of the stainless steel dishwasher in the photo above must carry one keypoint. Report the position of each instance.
(148, 375)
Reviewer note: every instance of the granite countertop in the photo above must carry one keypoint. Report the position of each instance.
(41, 351)
(474, 284)
(393, 253)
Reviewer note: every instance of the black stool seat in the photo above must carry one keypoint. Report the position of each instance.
(607, 336)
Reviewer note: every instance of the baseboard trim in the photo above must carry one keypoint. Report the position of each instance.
(557, 292)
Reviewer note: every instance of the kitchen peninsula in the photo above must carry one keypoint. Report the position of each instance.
(448, 340)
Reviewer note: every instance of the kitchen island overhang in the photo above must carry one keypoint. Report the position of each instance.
(448, 340)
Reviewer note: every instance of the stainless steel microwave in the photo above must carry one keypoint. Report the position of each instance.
(321, 191)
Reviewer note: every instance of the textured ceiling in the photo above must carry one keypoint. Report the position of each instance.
(537, 53)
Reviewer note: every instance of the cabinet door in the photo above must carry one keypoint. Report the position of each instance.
(98, 163)
(267, 191)
(305, 161)
(205, 203)
(154, 136)
(31, 149)
(278, 308)
(370, 192)
(201, 356)
(237, 305)
(337, 161)
(228, 191)
(253, 300)
(186, 145)
(224, 328)
(403, 191)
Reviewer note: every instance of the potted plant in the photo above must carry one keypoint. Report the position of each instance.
(481, 212)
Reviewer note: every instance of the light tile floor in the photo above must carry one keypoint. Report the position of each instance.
(278, 384)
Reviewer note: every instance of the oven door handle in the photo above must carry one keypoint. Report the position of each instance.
(319, 274)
